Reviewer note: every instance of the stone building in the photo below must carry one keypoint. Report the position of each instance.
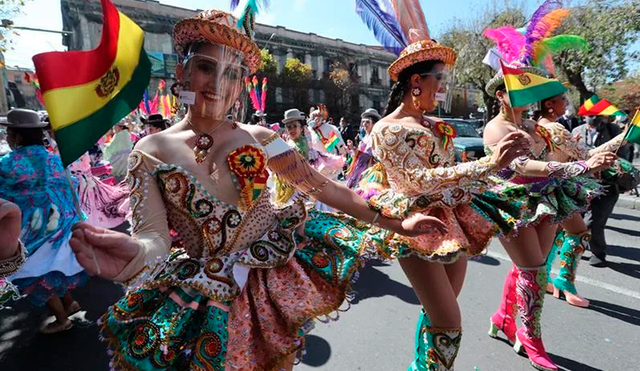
(21, 92)
(367, 65)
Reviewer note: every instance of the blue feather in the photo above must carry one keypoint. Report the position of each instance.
(234, 4)
(383, 23)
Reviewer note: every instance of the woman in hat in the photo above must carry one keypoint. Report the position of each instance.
(236, 298)
(154, 123)
(553, 190)
(12, 250)
(416, 174)
(325, 163)
(34, 179)
(325, 137)
(364, 157)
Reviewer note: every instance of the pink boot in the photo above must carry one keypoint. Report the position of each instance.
(504, 319)
(530, 290)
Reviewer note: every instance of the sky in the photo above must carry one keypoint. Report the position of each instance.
(331, 18)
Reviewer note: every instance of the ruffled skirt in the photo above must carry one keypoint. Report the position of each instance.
(550, 199)
(177, 328)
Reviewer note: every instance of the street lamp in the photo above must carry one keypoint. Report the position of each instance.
(7, 23)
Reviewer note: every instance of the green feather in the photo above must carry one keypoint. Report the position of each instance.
(559, 43)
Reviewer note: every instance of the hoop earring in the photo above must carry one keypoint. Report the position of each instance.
(176, 88)
(415, 96)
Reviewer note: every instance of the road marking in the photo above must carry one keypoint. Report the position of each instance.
(588, 281)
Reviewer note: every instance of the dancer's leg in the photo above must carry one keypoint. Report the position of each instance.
(440, 329)
(576, 240)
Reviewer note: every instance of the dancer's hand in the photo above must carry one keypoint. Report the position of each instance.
(601, 161)
(509, 148)
(10, 224)
(420, 224)
(113, 250)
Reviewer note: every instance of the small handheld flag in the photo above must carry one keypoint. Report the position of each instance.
(633, 133)
(596, 106)
(526, 87)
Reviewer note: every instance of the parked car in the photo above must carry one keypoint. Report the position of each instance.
(468, 143)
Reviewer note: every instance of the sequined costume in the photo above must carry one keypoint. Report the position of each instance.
(239, 296)
(33, 178)
(104, 205)
(561, 189)
(422, 178)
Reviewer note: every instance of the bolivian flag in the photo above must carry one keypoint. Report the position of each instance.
(596, 106)
(526, 87)
(87, 92)
(633, 134)
(331, 143)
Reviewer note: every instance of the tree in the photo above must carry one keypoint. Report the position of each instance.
(8, 10)
(624, 94)
(610, 27)
(296, 76)
(269, 64)
(466, 37)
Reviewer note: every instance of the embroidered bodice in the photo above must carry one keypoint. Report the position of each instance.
(566, 148)
(221, 241)
(416, 162)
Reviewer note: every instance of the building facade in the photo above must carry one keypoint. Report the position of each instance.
(367, 66)
(21, 93)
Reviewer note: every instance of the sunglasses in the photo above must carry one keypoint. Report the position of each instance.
(292, 126)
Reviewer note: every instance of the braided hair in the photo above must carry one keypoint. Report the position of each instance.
(400, 88)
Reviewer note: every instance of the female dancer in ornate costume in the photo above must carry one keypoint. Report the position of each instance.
(575, 239)
(553, 191)
(104, 205)
(12, 250)
(236, 298)
(416, 166)
(33, 178)
(363, 158)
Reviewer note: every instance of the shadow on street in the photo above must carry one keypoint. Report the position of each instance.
(373, 283)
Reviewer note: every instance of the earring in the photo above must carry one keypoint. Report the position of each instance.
(550, 110)
(176, 88)
(415, 96)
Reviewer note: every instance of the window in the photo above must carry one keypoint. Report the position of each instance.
(375, 76)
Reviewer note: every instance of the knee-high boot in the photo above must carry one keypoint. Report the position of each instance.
(551, 257)
(435, 349)
(530, 291)
(504, 319)
(570, 254)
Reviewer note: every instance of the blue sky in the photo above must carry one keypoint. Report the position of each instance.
(331, 18)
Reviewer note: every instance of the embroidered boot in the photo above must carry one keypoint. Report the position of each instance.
(530, 288)
(436, 349)
(557, 242)
(570, 253)
(504, 319)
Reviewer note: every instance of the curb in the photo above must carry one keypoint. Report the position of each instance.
(629, 202)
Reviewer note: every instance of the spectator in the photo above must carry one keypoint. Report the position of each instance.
(347, 131)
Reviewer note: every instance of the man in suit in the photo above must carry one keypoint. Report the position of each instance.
(568, 120)
(594, 133)
(346, 130)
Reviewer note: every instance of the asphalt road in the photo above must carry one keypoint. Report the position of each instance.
(377, 331)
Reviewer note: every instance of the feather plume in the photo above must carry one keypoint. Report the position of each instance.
(530, 36)
(378, 17)
(546, 48)
(234, 4)
(411, 17)
(248, 18)
(508, 40)
(263, 106)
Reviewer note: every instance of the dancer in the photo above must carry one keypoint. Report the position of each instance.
(325, 137)
(12, 250)
(104, 205)
(33, 178)
(417, 174)
(363, 158)
(118, 149)
(209, 306)
(575, 240)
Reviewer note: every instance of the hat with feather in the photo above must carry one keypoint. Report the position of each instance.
(533, 46)
(401, 28)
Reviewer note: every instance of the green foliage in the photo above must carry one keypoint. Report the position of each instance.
(8, 10)
(269, 64)
(295, 72)
(625, 94)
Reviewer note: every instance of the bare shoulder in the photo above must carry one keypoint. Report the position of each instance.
(152, 144)
(495, 131)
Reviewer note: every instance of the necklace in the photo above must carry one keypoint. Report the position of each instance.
(204, 141)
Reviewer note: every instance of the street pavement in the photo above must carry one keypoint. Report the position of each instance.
(377, 332)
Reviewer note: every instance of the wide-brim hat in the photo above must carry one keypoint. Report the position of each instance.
(424, 50)
(20, 118)
(371, 112)
(498, 78)
(259, 114)
(155, 120)
(216, 27)
(293, 115)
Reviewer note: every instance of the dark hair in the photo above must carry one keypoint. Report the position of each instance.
(495, 110)
(399, 89)
(27, 136)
